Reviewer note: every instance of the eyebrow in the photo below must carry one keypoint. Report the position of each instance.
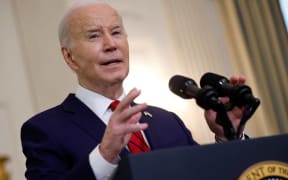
(93, 30)
(116, 27)
(98, 29)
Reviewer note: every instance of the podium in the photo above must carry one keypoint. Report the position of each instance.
(249, 159)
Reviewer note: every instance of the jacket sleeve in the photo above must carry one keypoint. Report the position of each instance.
(46, 160)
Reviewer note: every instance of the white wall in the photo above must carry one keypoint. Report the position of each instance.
(16, 100)
(49, 77)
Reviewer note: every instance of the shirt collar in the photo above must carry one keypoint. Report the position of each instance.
(96, 102)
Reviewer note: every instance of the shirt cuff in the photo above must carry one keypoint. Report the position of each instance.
(101, 168)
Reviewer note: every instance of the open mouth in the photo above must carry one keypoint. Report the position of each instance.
(115, 61)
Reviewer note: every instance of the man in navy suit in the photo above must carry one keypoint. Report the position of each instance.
(82, 138)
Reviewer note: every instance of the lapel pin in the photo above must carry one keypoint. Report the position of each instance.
(147, 114)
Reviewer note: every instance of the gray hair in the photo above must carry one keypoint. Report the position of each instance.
(63, 29)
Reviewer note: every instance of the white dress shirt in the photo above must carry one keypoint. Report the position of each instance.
(99, 104)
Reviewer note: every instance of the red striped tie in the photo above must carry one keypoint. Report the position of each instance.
(137, 143)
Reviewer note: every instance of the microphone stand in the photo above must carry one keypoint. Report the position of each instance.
(223, 120)
(250, 109)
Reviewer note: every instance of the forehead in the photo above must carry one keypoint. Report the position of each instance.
(99, 15)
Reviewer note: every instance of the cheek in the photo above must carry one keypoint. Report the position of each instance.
(88, 56)
(126, 49)
(86, 49)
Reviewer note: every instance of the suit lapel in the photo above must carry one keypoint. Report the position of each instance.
(151, 132)
(84, 118)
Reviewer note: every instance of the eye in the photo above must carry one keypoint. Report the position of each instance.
(93, 36)
(114, 33)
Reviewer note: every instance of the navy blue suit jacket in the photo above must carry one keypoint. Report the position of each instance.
(57, 142)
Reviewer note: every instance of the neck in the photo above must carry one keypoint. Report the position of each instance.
(111, 91)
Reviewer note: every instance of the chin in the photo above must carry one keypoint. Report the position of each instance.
(121, 75)
(118, 79)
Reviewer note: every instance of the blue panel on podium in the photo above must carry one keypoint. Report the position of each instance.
(214, 161)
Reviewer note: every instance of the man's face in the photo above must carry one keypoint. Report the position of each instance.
(99, 53)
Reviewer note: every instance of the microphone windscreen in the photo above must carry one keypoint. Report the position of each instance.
(212, 79)
(178, 85)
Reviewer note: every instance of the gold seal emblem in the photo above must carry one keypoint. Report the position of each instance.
(266, 170)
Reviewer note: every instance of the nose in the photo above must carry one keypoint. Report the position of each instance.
(109, 43)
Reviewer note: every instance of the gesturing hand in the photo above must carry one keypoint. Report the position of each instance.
(122, 123)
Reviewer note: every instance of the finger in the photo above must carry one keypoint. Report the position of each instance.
(135, 118)
(237, 79)
(224, 99)
(126, 114)
(242, 79)
(234, 79)
(128, 99)
(136, 127)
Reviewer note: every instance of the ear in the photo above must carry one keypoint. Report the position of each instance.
(69, 59)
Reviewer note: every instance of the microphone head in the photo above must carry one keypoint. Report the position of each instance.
(178, 84)
(212, 79)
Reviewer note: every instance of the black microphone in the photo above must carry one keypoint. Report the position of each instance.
(187, 88)
(219, 82)
(206, 97)
(239, 94)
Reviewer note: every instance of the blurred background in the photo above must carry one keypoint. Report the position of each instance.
(167, 37)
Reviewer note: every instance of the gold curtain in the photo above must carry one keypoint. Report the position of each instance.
(257, 40)
(3, 173)
(197, 36)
